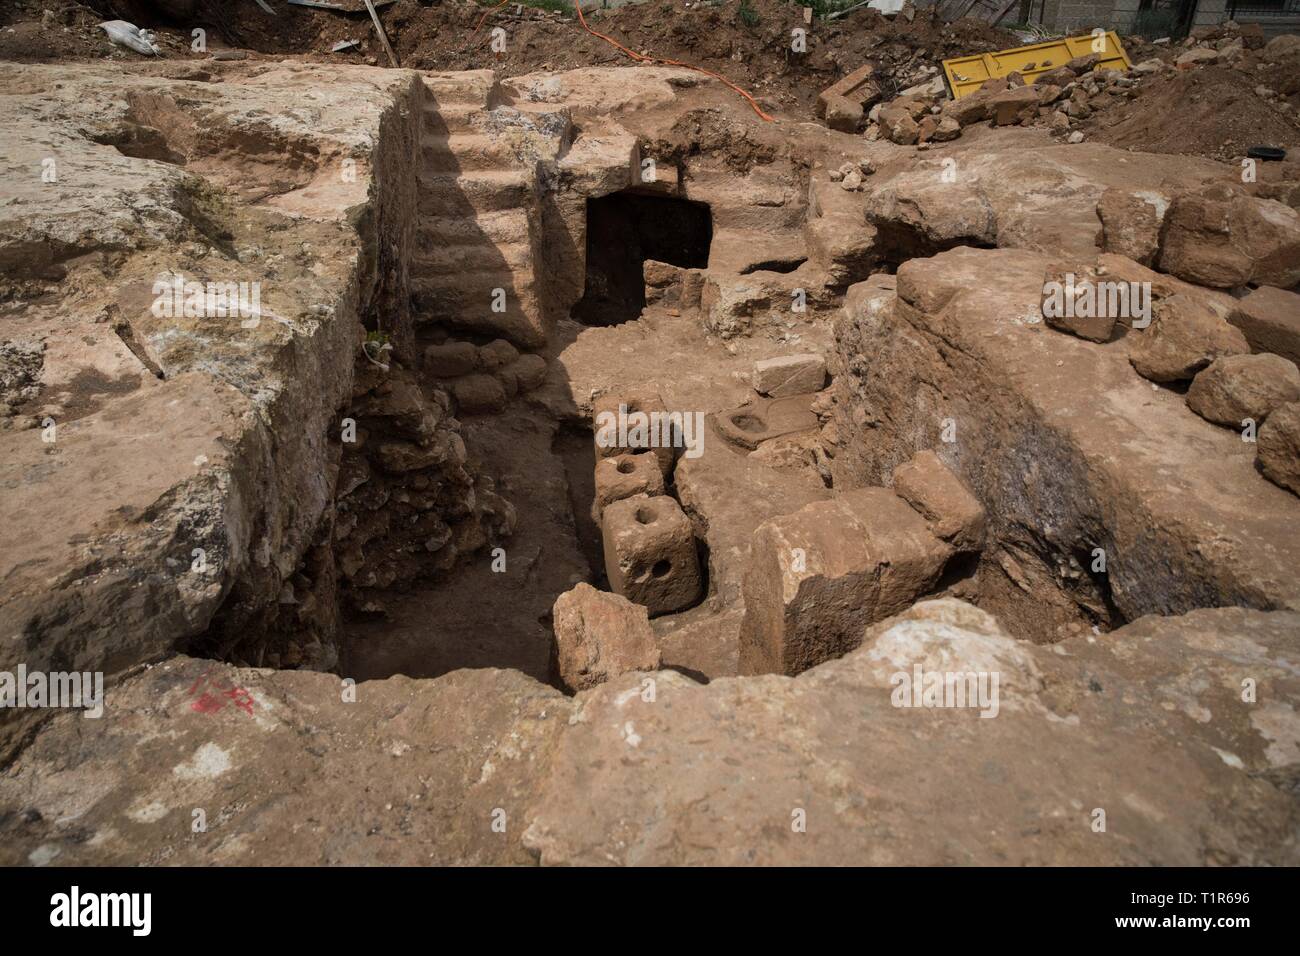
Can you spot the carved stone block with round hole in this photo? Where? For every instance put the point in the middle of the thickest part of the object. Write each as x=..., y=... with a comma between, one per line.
x=633, y=421
x=624, y=476
x=650, y=553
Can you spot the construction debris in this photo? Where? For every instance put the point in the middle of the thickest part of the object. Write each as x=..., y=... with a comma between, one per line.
x=1089, y=52
x=130, y=36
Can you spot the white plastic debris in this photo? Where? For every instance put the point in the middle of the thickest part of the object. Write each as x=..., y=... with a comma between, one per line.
x=130, y=35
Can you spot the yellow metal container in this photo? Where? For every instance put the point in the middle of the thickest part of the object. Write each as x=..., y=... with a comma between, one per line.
x=966, y=73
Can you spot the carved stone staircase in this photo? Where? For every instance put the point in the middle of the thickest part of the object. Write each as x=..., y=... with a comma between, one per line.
x=478, y=234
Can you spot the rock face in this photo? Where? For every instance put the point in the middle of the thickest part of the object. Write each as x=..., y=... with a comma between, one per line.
x=189, y=472
x=407, y=505
x=1043, y=200
x=284, y=766
x=818, y=576
x=1240, y=387
x=832, y=764
x=1279, y=447
x=1038, y=447
x=599, y=635
x=474, y=267
x=1222, y=237
x=1186, y=335
x=491, y=767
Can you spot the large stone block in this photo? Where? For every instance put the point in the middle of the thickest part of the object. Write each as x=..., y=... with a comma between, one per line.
x=615, y=431
x=1074, y=301
x=479, y=394
x=650, y=555
x=1222, y=237
x=1278, y=452
x=1238, y=387
x=451, y=359
x=624, y=476
x=789, y=375
x=1187, y=334
x=816, y=578
x=859, y=88
x=1130, y=223
x=1013, y=106
x=898, y=126
x=599, y=635
x=952, y=512
x=843, y=114
x=1270, y=320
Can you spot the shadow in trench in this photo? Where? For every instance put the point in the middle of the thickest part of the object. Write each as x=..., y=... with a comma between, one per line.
x=624, y=229
x=492, y=609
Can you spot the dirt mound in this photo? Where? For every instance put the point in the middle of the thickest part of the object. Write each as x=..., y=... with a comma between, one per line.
x=1213, y=111
x=747, y=41
x=709, y=132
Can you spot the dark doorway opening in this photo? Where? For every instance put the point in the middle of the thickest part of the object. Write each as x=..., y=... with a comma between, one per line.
x=623, y=231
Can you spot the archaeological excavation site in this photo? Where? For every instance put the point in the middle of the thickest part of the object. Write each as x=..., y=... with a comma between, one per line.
x=662, y=433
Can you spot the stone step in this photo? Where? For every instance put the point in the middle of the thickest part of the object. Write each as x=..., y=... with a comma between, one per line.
x=463, y=151
x=459, y=261
x=474, y=288
x=490, y=226
x=477, y=87
x=465, y=301
x=449, y=118
x=475, y=192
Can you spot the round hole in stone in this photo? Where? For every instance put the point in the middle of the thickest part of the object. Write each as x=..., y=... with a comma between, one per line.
x=645, y=515
x=749, y=423
x=626, y=467
x=661, y=569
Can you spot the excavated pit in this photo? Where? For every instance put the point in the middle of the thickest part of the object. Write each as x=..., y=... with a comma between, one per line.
x=423, y=615
x=423, y=493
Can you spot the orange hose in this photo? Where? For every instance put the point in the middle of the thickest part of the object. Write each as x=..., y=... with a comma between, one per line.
x=486, y=14
x=577, y=5
x=640, y=57
x=725, y=82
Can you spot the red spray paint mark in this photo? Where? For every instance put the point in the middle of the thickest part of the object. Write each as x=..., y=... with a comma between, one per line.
x=213, y=694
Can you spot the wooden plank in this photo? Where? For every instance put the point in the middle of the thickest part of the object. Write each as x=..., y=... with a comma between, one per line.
x=1006, y=8
x=847, y=10
x=965, y=8
x=383, y=37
